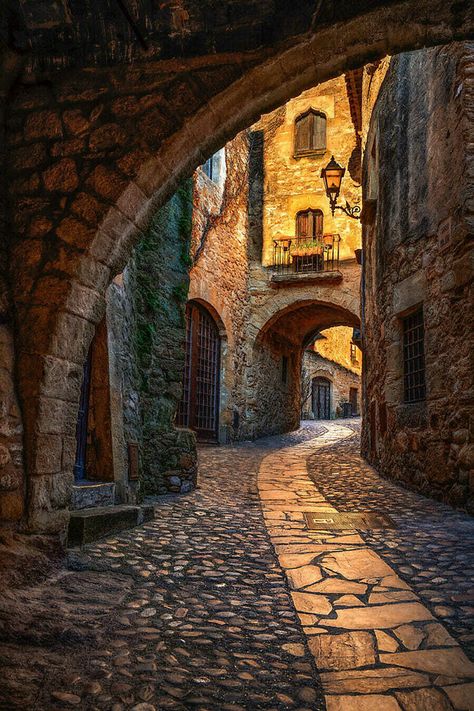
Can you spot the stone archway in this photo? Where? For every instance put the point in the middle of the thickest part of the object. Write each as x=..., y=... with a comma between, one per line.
x=274, y=380
x=94, y=153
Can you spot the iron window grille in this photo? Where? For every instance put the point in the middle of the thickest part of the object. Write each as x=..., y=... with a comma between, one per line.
x=414, y=357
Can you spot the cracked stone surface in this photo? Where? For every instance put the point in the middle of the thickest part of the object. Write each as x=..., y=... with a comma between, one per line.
x=432, y=547
x=377, y=646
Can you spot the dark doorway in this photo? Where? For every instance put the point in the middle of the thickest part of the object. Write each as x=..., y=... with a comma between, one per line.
x=321, y=398
x=199, y=406
x=94, y=460
x=82, y=422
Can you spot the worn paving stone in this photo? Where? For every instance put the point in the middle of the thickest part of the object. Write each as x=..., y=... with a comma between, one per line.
x=359, y=640
x=432, y=547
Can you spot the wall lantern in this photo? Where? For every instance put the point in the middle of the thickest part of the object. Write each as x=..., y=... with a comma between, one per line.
x=332, y=176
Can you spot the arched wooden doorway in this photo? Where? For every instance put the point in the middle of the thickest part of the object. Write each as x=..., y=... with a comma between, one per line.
x=199, y=405
x=94, y=459
x=322, y=398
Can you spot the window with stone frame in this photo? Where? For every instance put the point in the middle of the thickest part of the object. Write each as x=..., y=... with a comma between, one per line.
x=310, y=224
x=414, y=385
x=310, y=133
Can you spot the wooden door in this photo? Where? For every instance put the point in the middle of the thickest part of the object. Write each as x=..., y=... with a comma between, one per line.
x=309, y=224
x=199, y=406
x=321, y=398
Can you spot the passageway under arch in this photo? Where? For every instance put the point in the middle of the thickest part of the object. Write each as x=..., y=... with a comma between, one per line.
x=125, y=135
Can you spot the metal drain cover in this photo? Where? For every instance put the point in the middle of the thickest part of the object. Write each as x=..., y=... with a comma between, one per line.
x=363, y=520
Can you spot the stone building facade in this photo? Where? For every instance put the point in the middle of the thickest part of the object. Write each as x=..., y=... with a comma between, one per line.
x=266, y=314
x=296, y=296
x=418, y=255
x=333, y=364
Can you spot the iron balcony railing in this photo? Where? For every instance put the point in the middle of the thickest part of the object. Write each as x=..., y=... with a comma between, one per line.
x=306, y=255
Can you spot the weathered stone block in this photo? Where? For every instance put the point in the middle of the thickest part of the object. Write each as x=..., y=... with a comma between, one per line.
x=42, y=124
x=61, y=176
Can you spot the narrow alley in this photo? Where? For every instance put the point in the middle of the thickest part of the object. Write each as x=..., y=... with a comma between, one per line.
x=194, y=610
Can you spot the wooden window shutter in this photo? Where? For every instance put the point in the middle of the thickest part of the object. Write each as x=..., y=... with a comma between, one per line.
x=303, y=134
x=318, y=134
x=302, y=224
x=318, y=223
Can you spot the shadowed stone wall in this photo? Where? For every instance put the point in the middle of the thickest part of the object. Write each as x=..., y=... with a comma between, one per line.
x=146, y=319
x=418, y=250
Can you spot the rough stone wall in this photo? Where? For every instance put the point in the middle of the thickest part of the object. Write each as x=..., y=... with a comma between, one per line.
x=12, y=482
x=147, y=329
x=273, y=403
x=418, y=249
x=220, y=272
x=335, y=345
x=293, y=183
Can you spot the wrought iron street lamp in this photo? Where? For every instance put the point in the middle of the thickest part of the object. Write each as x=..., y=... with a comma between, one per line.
x=332, y=176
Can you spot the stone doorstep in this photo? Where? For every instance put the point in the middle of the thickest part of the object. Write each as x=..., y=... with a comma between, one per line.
x=93, y=494
x=87, y=525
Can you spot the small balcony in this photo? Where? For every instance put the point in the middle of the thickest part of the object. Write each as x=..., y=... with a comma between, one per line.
x=297, y=259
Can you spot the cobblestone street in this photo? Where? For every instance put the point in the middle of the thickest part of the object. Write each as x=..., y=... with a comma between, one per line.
x=193, y=610
x=432, y=546
x=203, y=617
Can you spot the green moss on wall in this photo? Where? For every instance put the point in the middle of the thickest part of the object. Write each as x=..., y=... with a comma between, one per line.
x=160, y=288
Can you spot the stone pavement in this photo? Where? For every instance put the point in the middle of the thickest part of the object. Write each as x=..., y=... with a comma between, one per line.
x=193, y=611
x=432, y=547
x=376, y=645
x=190, y=611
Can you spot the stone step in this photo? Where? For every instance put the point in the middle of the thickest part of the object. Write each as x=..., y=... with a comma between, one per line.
x=91, y=494
x=87, y=525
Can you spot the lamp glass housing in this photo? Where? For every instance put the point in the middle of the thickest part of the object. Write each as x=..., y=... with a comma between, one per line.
x=332, y=176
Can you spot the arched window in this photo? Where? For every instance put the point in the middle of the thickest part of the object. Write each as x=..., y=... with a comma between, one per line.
x=199, y=405
x=309, y=224
x=310, y=133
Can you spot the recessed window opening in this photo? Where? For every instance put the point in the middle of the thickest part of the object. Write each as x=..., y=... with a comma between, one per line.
x=414, y=357
x=353, y=353
x=310, y=224
x=310, y=133
x=215, y=167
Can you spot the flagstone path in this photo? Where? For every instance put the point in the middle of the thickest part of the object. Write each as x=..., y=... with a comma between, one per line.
x=376, y=645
